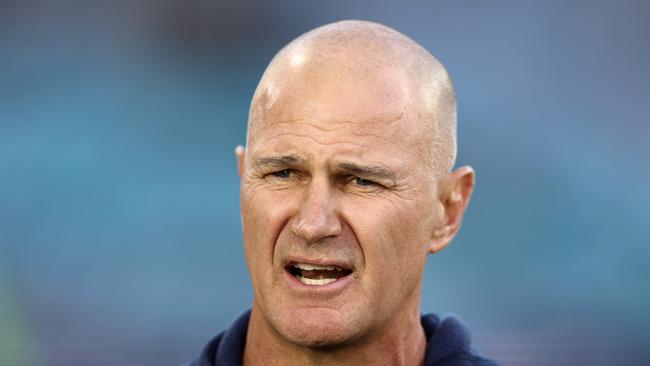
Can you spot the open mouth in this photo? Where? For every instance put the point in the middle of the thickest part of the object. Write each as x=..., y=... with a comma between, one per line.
x=315, y=275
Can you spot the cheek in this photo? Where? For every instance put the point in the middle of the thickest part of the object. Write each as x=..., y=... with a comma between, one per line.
x=393, y=227
x=264, y=215
x=393, y=238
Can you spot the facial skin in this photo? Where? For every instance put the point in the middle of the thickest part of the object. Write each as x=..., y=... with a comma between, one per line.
x=351, y=138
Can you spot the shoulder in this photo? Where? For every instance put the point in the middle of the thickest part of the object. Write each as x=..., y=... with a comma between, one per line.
x=449, y=343
x=208, y=353
x=227, y=347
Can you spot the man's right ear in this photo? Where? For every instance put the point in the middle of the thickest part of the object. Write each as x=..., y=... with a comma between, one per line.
x=240, y=152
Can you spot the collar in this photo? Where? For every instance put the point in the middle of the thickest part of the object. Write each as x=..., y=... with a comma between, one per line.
x=448, y=342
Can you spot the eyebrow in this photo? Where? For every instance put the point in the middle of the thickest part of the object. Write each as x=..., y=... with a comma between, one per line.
x=276, y=161
x=370, y=171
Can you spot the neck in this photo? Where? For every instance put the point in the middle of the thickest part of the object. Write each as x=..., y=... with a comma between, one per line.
x=402, y=342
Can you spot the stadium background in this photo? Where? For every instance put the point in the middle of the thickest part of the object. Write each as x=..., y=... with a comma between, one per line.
x=119, y=223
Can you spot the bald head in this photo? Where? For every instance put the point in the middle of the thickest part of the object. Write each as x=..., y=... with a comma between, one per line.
x=364, y=72
x=351, y=137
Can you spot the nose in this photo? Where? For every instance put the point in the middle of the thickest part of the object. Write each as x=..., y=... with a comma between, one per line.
x=317, y=217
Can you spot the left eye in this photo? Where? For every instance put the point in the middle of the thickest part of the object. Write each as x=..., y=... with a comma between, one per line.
x=363, y=182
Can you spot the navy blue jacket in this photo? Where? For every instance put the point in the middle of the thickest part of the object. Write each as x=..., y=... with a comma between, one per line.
x=448, y=344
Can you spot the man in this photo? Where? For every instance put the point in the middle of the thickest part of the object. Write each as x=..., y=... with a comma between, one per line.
x=346, y=185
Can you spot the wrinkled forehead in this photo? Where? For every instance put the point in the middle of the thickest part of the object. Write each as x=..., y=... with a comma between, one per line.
x=332, y=92
x=341, y=97
x=373, y=78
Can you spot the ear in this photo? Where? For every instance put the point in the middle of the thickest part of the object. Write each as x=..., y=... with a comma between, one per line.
x=240, y=152
x=454, y=192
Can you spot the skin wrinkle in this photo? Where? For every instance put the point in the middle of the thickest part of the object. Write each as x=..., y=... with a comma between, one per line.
x=373, y=172
x=323, y=129
x=385, y=120
x=312, y=125
x=268, y=164
x=353, y=144
x=336, y=104
x=279, y=122
x=326, y=129
x=281, y=134
x=373, y=135
x=433, y=151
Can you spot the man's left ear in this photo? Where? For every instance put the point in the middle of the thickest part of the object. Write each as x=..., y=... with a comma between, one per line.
x=454, y=192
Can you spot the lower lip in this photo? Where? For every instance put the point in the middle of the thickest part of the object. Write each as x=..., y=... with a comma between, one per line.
x=338, y=285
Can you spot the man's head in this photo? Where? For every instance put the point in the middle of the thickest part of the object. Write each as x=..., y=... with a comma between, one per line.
x=346, y=183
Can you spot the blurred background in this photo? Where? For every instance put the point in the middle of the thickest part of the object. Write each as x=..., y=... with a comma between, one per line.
x=120, y=237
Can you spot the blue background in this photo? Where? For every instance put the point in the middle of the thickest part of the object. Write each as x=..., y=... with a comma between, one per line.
x=120, y=238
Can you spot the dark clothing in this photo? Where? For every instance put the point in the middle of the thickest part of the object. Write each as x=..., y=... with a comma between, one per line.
x=448, y=344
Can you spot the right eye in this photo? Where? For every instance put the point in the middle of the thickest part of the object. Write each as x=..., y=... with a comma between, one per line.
x=282, y=174
x=284, y=177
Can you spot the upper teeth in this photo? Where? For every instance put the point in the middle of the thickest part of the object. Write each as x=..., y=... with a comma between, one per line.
x=311, y=267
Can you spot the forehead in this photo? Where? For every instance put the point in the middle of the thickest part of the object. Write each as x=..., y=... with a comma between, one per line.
x=333, y=99
x=383, y=138
x=334, y=96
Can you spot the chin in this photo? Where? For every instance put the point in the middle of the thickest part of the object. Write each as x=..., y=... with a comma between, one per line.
x=318, y=327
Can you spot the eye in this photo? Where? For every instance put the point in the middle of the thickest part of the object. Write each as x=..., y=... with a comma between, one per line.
x=364, y=182
x=284, y=177
x=282, y=174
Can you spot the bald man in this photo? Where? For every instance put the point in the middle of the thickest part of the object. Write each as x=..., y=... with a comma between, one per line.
x=346, y=187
